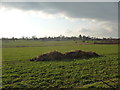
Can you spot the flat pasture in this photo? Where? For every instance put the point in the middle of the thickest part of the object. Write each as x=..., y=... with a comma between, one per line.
x=19, y=72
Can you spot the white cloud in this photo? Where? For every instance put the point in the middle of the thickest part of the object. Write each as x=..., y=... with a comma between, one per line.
x=15, y=23
x=46, y=21
x=99, y=29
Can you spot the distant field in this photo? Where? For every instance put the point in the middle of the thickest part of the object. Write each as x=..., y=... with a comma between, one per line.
x=35, y=43
x=19, y=72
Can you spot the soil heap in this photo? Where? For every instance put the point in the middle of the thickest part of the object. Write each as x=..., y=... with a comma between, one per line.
x=55, y=55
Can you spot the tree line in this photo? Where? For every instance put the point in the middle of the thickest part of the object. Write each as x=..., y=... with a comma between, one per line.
x=60, y=38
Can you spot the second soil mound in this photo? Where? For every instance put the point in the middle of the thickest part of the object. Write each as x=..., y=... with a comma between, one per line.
x=80, y=54
x=55, y=55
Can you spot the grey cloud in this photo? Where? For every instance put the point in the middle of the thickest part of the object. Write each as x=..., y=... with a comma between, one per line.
x=95, y=10
x=104, y=33
x=59, y=1
x=101, y=31
x=101, y=11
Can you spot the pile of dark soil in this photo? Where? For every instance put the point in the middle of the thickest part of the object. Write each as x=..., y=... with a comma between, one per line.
x=80, y=54
x=55, y=55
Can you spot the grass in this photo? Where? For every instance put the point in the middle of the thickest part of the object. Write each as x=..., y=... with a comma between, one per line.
x=19, y=72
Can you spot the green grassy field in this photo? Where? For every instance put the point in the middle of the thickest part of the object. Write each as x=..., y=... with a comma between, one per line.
x=19, y=72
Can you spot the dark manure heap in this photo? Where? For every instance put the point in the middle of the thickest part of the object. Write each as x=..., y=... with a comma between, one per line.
x=55, y=55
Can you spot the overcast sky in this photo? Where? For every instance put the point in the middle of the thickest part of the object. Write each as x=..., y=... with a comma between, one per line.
x=97, y=19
